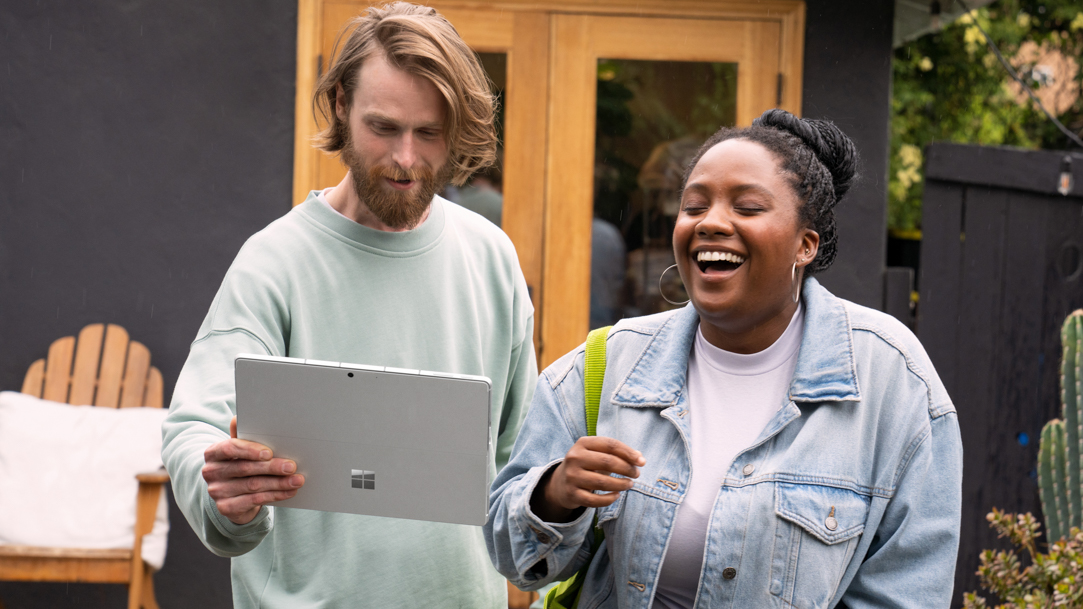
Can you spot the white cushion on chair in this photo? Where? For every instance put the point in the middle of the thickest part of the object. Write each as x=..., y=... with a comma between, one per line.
x=67, y=474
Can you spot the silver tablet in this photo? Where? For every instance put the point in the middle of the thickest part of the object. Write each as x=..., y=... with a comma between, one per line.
x=372, y=440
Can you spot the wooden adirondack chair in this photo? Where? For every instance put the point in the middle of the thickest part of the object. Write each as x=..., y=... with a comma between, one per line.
x=108, y=371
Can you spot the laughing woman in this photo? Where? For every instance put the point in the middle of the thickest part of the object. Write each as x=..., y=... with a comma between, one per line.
x=769, y=445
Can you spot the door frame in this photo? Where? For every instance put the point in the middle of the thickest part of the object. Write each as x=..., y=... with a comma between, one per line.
x=535, y=206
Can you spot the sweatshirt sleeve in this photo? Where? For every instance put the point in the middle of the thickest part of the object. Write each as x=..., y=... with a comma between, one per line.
x=243, y=319
x=522, y=376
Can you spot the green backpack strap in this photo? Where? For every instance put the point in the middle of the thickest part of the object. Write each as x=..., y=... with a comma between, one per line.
x=565, y=595
x=593, y=375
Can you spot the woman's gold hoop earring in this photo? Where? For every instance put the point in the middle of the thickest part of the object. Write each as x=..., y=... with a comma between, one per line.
x=793, y=281
x=663, y=292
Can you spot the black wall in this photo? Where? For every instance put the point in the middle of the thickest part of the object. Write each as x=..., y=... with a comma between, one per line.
x=1006, y=265
x=142, y=142
x=848, y=80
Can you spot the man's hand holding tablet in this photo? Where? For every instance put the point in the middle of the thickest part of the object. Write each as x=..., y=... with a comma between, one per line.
x=243, y=476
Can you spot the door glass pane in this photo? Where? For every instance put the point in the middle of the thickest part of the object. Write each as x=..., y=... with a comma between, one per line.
x=652, y=116
x=484, y=192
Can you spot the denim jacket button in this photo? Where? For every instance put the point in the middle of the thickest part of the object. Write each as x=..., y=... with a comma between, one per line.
x=748, y=469
x=831, y=523
x=542, y=536
x=729, y=573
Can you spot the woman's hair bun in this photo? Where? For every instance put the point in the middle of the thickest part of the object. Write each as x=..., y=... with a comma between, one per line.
x=830, y=145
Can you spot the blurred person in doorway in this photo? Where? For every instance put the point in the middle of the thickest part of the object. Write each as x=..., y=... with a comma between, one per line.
x=483, y=194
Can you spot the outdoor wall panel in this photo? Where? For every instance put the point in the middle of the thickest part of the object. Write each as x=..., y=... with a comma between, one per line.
x=141, y=143
x=848, y=81
x=994, y=292
x=942, y=248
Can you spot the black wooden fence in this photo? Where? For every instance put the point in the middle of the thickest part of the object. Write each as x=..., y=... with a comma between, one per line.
x=1001, y=260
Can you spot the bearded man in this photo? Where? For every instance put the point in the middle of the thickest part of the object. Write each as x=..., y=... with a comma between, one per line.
x=376, y=270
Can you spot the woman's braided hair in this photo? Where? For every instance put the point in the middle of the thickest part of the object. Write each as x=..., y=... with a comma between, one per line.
x=821, y=162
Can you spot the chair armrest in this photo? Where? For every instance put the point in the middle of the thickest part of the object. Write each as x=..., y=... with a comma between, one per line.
x=146, y=506
x=146, y=501
x=158, y=477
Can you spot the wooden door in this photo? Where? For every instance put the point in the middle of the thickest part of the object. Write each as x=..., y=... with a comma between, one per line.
x=551, y=50
x=752, y=50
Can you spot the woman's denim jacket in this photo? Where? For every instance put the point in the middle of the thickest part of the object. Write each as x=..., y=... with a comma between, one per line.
x=850, y=495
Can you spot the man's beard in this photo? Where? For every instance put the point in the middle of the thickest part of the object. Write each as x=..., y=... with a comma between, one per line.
x=395, y=208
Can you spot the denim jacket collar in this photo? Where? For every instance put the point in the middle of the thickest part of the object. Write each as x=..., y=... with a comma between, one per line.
x=825, y=364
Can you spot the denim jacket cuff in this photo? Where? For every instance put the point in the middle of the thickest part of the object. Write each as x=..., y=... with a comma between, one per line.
x=556, y=543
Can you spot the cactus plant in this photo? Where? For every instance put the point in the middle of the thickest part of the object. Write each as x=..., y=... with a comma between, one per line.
x=1060, y=454
x=1052, y=479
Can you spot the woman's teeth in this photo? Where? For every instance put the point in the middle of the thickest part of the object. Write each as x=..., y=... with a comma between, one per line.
x=718, y=261
x=719, y=257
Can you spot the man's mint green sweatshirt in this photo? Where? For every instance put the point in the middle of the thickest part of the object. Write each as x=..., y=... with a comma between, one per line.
x=447, y=296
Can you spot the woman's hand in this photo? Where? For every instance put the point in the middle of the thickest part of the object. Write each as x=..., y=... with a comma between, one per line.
x=585, y=469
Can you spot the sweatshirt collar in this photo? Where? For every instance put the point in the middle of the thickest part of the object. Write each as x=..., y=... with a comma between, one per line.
x=400, y=244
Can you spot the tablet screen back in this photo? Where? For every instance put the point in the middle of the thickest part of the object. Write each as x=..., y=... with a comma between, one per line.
x=374, y=441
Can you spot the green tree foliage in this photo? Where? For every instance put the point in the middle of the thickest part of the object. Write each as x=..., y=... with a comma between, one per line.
x=948, y=86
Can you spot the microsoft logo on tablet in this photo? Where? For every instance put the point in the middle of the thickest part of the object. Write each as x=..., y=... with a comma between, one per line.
x=360, y=478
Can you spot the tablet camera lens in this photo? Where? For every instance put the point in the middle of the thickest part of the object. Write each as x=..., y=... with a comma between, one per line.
x=349, y=374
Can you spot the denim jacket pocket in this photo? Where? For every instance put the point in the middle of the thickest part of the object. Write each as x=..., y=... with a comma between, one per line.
x=816, y=533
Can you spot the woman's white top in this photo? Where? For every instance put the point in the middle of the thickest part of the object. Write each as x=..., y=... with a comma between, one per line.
x=731, y=398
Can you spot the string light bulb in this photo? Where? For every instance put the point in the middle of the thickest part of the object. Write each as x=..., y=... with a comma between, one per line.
x=1065, y=183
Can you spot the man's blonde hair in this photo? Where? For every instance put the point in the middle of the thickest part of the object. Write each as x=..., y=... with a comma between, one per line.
x=420, y=41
